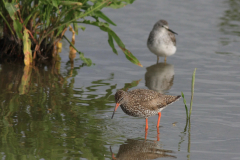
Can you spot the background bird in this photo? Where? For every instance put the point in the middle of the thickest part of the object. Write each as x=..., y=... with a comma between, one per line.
x=161, y=40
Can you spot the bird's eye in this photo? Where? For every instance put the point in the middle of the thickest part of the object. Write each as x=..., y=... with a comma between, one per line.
x=120, y=99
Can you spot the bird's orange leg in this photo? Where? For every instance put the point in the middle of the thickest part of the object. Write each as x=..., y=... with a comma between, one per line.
x=159, y=117
x=112, y=153
x=146, y=129
x=113, y=156
x=158, y=134
x=146, y=124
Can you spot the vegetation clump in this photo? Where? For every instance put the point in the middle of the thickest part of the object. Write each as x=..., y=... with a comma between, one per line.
x=31, y=29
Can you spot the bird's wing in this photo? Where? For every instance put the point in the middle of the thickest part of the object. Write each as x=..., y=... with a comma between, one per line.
x=142, y=95
x=147, y=98
x=172, y=36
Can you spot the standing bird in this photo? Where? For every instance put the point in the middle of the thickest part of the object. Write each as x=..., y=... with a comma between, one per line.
x=143, y=103
x=161, y=40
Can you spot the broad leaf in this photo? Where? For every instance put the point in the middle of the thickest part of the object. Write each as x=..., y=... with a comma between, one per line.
x=12, y=9
x=18, y=28
x=55, y=3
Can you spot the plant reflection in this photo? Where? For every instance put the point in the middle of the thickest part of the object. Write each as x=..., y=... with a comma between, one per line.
x=159, y=77
x=141, y=150
x=230, y=22
x=187, y=126
x=42, y=115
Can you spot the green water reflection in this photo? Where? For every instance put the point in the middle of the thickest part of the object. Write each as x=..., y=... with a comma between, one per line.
x=230, y=22
x=42, y=115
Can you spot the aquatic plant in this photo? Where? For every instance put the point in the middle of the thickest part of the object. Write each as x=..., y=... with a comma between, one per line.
x=188, y=113
x=32, y=28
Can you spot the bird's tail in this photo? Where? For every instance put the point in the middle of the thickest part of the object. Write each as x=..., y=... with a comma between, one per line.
x=170, y=99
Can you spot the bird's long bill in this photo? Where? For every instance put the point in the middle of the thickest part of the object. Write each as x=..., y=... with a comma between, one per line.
x=117, y=104
x=172, y=31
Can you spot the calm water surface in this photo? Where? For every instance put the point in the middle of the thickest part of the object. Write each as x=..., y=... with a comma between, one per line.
x=59, y=112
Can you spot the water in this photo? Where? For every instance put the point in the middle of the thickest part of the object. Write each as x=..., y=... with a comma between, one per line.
x=64, y=113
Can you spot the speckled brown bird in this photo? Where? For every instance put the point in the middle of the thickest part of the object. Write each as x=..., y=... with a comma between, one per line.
x=143, y=103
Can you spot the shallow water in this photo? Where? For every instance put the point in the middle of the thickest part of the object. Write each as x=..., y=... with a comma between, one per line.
x=65, y=113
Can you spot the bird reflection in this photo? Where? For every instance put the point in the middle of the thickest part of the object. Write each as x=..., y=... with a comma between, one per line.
x=141, y=149
x=159, y=77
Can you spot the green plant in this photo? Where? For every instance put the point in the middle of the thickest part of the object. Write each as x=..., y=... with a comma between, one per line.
x=188, y=113
x=44, y=22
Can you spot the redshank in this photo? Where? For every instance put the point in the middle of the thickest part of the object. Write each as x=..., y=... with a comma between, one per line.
x=143, y=103
x=161, y=40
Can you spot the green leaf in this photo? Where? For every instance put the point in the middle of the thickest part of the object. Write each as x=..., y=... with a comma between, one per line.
x=55, y=3
x=110, y=41
x=60, y=30
x=32, y=14
x=120, y=4
x=12, y=8
x=88, y=61
x=98, y=5
x=18, y=28
x=88, y=12
x=82, y=27
x=127, y=53
x=104, y=17
x=186, y=108
x=104, y=27
x=48, y=12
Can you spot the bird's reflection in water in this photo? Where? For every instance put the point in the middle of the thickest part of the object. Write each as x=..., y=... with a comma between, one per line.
x=141, y=150
x=159, y=77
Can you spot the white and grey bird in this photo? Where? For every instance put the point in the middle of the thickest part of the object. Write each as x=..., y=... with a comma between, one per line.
x=161, y=40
